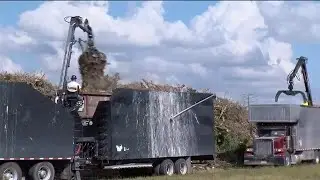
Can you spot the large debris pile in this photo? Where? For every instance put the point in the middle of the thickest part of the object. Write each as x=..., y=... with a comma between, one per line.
x=144, y=84
x=92, y=71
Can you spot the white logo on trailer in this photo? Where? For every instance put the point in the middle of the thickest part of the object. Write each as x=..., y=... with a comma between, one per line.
x=120, y=147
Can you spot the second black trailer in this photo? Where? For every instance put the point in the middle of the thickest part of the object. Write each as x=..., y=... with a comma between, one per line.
x=138, y=128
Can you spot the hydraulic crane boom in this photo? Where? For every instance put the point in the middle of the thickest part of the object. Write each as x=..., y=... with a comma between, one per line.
x=75, y=22
x=302, y=61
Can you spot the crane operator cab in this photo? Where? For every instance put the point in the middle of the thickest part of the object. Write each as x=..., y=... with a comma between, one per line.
x=73, y=99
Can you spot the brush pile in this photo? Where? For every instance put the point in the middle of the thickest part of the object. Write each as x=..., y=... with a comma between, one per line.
x=38, y=82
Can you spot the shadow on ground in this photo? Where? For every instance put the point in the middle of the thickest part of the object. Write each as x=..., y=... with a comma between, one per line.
x=116, y=174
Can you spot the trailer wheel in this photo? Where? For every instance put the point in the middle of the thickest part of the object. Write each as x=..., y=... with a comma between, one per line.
x=156, y=169
x=287, y=160
x=42, y=171
x=316, y=159
x=10, y=171
x=167, y=167
x=181, y=167
x=188, y=161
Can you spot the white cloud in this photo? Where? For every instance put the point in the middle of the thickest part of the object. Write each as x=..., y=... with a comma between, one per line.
x=234, y=47
x=7, y=65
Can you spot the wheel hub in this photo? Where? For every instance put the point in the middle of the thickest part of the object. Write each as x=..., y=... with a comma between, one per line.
x=169, y=170
x=287, y=161
x=183, y=168
x=44, y=173
x=9, y=175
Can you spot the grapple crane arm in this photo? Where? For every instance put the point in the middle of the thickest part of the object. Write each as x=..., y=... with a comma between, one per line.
x=301, y=64
x=75, y=22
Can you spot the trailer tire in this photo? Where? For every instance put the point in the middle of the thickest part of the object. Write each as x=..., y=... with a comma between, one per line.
x=287, y=160
x=188, y=161
x=11, y=169
x=44, y=169
x=181, y=167
x=316, y=159
x=156, y=169
x=167, y=167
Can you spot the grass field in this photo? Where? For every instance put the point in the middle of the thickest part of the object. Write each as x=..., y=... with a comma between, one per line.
x=305, y=172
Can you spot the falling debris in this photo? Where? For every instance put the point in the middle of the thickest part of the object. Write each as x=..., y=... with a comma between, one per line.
x=91, y=66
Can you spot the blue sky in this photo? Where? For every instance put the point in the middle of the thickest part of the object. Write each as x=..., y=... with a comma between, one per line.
x=174, y=10
x=311, y=51
x=12, y=10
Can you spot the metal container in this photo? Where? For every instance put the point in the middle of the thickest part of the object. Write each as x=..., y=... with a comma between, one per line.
x=284, y=113
x=90, y=104
x=141, y=127
x=308, y=129
x=32, y=125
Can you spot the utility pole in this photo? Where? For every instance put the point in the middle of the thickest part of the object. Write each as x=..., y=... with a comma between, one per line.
x=249, y=98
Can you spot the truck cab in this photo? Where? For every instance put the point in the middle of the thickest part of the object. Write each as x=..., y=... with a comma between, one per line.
x=286, y=134
x=270, y=145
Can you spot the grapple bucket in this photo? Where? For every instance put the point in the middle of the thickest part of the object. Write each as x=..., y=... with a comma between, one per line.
x=290, y=93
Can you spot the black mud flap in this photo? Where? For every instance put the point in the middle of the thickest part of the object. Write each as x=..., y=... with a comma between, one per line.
x=78, y=176
x=290, y=93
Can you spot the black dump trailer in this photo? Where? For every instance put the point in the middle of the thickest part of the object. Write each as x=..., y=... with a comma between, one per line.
x=36, y=135
x=130, y=129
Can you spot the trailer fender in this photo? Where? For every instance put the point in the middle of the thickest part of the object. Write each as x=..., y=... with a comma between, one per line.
x=67, y=173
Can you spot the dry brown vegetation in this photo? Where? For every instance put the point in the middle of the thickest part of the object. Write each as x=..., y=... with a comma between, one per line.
x=38, y=82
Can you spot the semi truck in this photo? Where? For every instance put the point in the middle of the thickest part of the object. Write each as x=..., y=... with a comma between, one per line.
x=286, y=133
x=44, y=139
